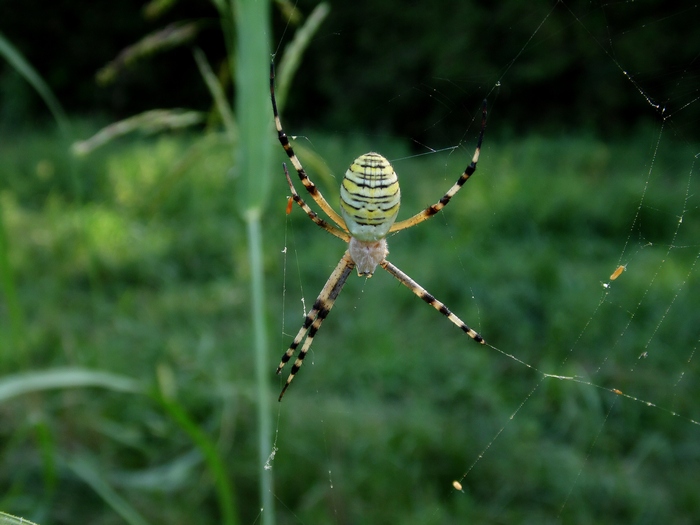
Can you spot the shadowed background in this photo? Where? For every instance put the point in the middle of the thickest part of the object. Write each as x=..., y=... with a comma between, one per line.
x=132, y=261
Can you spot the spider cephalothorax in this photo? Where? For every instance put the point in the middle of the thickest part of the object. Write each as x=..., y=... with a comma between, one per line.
x=369, y=204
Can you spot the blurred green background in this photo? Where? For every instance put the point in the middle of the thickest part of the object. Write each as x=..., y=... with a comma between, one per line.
x=129, y=391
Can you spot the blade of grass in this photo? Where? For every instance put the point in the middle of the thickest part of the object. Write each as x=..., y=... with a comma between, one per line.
x=151, y=121
x=21, y=384
x=291, y=58
x=90, y=474
x=214, y=461
x=251, y=58
x=17, y=60
x=252, y=103
x=47, y=448
x=174, y=35
x=217, y=93
x=8, y=519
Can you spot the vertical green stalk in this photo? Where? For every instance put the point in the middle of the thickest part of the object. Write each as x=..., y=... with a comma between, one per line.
x=252, y=58
x=262, y=368
x=15, y=351
x=252, y=65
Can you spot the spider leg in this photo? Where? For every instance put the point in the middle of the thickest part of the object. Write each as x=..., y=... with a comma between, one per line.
x=433, y=209
x=305, y=180
x=312, y=214
x=428, y=298
x=312, y=322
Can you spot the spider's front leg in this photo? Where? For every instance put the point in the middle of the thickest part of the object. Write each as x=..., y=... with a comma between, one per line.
x=315, y=193
x=312, y=214
x=428, y=298
x=312, y=322
x=445, y=200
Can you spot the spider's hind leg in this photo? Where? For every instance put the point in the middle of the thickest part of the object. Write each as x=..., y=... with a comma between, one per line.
x=312, y=322
x=428, y=298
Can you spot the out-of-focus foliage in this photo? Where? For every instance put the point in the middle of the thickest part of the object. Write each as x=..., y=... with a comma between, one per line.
x=544, y=56
x=129, y=308
x=394, y=396
x=381, y=50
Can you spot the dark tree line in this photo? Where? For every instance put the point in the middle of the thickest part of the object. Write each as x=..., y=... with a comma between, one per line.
x=389, y=66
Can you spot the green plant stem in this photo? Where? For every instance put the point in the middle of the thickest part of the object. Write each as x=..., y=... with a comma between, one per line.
x=262, y=369
x=252, y=59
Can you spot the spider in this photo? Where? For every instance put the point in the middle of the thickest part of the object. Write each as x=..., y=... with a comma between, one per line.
x=369, y=203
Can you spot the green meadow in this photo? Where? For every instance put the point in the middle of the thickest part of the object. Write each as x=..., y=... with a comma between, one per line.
x=129, y=392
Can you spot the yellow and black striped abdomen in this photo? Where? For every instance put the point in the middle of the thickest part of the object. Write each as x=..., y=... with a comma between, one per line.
x=370, y=197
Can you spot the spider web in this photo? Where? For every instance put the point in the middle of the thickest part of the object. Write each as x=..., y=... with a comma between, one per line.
x=585, y=411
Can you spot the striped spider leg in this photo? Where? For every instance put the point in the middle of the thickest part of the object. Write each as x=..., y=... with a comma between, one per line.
x=369, y=203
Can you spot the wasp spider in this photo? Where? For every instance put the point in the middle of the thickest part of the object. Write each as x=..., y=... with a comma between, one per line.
x=369, y=204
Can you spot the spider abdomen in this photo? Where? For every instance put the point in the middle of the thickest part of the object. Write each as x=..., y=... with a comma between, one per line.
x=370, y=197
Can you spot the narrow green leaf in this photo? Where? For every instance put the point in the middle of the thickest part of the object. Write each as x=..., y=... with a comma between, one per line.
x=173, y=35
x=8, y=519
x=90, y=474
x=291, y=58
x=215, y=463
x=151, y=121
x=21, y=384
x=252, y=59
x=252, y=103
x=17, y=60
x=217, y=93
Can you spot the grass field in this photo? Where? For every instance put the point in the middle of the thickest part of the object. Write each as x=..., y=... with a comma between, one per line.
x=132, y=261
